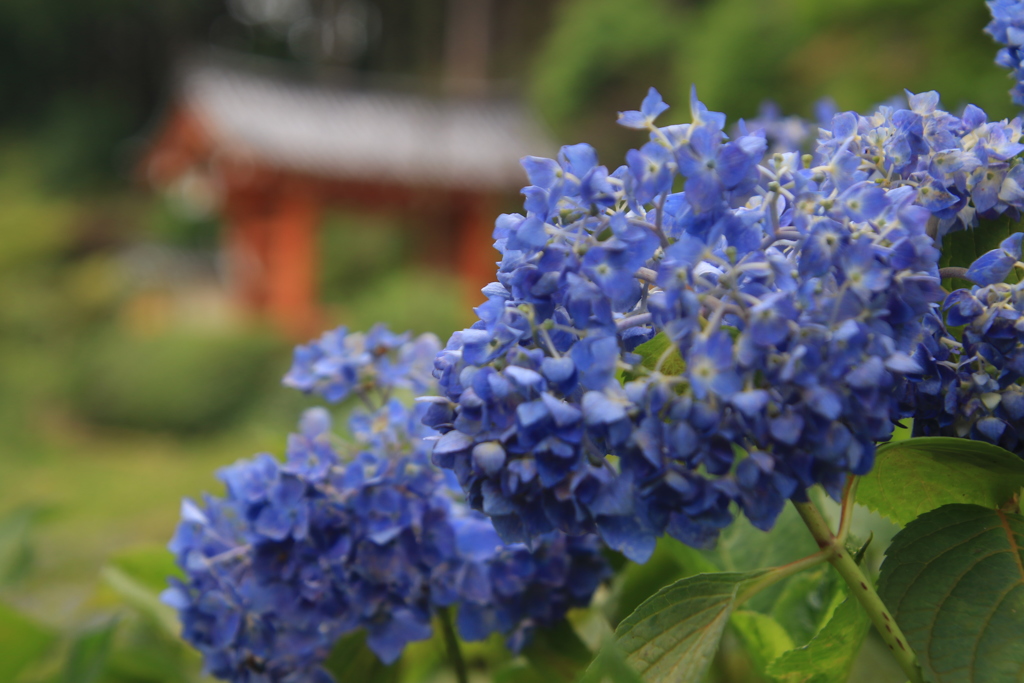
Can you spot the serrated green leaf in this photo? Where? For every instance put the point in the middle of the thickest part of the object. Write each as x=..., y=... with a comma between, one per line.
x=674, y=634
x=954, y=581
x=763, y=638
x=829, y=656
x=22, y=642
x=917, y=475
x=87, y=659
x=557, y=653
x=653, y=349
x=352, y=660
x=960, y=249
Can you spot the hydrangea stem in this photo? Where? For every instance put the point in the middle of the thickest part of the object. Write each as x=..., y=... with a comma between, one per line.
x=860, y=586
x=451, y=643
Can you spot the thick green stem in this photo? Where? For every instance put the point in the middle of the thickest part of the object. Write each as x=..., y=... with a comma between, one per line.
x=452, y=644
x=861, y=588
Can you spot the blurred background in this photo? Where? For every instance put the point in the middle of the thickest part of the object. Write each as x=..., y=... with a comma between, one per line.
x=189, y=187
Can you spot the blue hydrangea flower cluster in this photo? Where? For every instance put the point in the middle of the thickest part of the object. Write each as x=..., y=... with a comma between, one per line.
x=788, y=133
x=340, y=364
x=962, y=168
x=972, y=386
x=1007, y=27
x=366, y=534
x=791, y=293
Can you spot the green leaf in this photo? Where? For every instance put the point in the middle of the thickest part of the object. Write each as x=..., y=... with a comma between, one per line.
x=557, y=653
x=15, y=551
x=963, y=247
x=88, y=657
x=150, y=565
x=516, y=671
x=690, y=560
x=674, y=634
x=829, y=656
x=652, y=350
x=954, y=580
x=142, y=598
x=144, y=652
x=609, y=666
x=764, y=638
x=352, y=660
x=635, y=583
x=22, y=642
x=803, y=604
x=743, y=547
x=914, y=476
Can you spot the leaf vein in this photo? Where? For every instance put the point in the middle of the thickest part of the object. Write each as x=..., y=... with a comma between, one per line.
x=987, y=621
x=1011, y=537
x=925, y=565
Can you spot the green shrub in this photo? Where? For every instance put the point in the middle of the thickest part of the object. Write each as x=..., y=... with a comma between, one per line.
x=416, y=299
x=182, y=381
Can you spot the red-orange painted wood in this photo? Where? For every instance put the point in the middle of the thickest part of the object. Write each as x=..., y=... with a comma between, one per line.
x=475, y=254
x=272, y=214
x=291, y=260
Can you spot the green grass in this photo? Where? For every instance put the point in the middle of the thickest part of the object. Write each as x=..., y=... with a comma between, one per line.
x=104, y=492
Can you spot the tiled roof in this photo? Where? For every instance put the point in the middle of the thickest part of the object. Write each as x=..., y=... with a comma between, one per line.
x=366, y=134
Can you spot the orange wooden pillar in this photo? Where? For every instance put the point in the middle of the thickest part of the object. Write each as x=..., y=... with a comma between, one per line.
x=475, y=254
x=291, y=259
x=271, y=253
x=244, y=249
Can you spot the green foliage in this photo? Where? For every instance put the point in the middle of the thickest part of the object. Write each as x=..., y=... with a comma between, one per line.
x=742, y=547
x=764, y=638
x=861, y=52
x=609, y=666
x=415, y=299
x=177, y=224
x=660, y=348
x=674, y=634
x=960, y=249
x=917, y=475
x=557, y=654
x=22, y=642
x=15, y=548
x=352, y=660
x=89, y=652
x=33, y=223
x=179, y=381
x=354, y=249
x=147, y=646
x=592, y=43
x=804, y=602
x=954, y=580
x=828, y=657
x=149, y=565
x=634, y=583
x=134, y=593
x=602, y=55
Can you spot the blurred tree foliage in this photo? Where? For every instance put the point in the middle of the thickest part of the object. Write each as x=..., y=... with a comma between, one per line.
x=601, y=56
x=86, y=74
x=86, y=77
